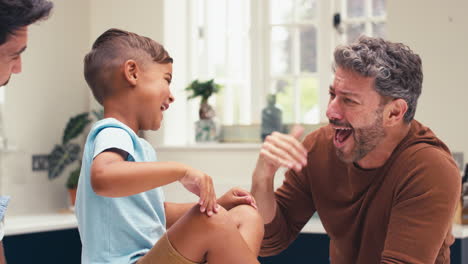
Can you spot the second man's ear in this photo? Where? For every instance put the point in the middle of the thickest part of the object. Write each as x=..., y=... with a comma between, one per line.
x=131, y=72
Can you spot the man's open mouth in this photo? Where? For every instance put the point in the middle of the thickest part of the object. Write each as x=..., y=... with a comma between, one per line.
x=342, y=134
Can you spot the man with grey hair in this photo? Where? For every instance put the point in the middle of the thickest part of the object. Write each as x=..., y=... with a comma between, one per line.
x=15, y=17
x=384, y=185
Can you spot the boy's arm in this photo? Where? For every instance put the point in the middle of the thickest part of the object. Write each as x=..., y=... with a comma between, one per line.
x=112, y=176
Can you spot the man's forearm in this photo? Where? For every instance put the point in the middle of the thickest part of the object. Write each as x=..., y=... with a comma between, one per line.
x=263, y=192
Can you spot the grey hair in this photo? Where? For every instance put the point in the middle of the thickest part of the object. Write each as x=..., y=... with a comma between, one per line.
x=396, y=68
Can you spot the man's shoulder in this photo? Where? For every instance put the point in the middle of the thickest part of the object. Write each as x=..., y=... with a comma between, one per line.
x=421, y=145
x=423, y=167
x=424, y=155
x=423, y=162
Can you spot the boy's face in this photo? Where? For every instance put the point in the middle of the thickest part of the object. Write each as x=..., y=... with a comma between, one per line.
x=155, y=96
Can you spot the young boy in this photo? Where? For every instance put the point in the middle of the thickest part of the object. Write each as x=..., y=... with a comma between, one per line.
x=122, y=215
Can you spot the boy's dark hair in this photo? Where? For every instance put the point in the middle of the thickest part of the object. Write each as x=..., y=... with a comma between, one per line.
x=15, y=14
x=111, y=50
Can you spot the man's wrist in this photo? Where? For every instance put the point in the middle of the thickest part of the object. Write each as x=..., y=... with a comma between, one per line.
x=263, y=173
x=262, y=180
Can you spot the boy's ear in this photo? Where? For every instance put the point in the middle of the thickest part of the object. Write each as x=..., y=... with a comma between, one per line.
x=395, y=111
x=131, y=72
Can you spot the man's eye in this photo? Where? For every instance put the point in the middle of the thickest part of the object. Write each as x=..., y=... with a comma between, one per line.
x=349, y=101
x=331, y=94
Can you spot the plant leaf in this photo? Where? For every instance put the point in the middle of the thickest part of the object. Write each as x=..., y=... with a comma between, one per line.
x=202, y=89
x=72, y=181
x=60, y=157
x=99, y=114
x=75, y=126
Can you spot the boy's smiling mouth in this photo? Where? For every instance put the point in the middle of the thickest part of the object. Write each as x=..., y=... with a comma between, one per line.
x=164, y=107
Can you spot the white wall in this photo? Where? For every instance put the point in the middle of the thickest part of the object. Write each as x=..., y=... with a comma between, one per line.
x=438, y=32
x=229, y=167
x=144, y=17
x=39, y=101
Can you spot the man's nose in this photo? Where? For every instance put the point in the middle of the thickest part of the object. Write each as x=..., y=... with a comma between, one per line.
x=334, y=110
x=16, y=66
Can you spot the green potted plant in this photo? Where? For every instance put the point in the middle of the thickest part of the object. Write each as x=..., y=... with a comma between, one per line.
x=205, y=127
x=204, y=90
x=69, y=152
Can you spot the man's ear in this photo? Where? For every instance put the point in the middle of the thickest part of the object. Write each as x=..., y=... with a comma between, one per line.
x=395, y=111
x=131, y=72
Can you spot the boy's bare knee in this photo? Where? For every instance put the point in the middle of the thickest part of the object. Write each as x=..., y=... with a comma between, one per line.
x=220, y=222
x=246, y=214
x=216, y=222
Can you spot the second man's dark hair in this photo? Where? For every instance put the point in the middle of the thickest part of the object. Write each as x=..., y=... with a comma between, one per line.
x=15, y=14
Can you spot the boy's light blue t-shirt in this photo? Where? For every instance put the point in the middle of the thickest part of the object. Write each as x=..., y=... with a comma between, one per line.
x=3, y=206
x=117, y=230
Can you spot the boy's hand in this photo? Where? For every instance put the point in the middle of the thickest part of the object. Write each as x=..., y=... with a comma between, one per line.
x=201, y=185
x=236, y=196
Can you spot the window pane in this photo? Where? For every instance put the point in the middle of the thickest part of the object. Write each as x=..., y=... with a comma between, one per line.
x=378, y=30
x=308, y=44
x=281, y=11
x=378, y=8
x=353, y=31
x=238, y=63
x=285, y=98
x=234, y=101
x=309, y=100
x=216, y=37
x=223, y=102
x=307, y=9
x=281, y=50
x=238, y=39
x=355, y=8
x=200, y=38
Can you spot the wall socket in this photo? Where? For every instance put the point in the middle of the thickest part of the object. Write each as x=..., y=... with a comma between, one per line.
x=40, y=162
x=459, y=159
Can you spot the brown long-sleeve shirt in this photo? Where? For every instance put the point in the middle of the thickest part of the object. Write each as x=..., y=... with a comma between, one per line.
x=399, y=213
